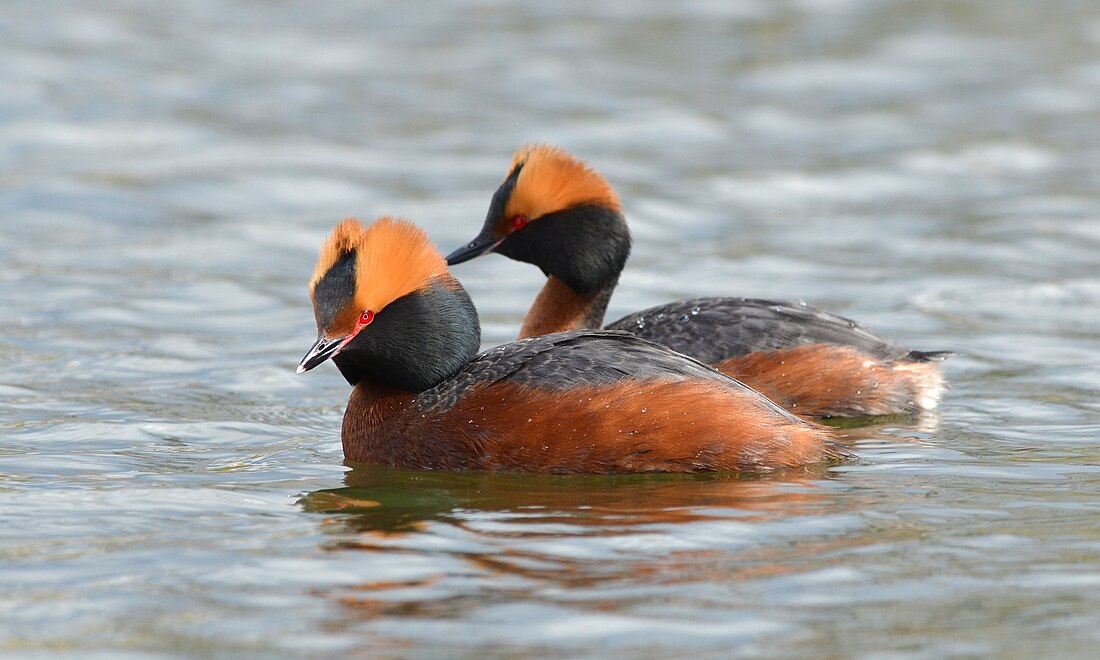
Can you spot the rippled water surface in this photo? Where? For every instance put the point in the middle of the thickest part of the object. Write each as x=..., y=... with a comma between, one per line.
x=168, y=485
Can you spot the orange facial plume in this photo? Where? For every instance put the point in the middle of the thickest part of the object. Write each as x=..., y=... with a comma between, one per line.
x=552, y=180
x=401, y=260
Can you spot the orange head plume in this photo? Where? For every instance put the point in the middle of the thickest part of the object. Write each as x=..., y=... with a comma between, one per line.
x=548, y=180
x=362, y=270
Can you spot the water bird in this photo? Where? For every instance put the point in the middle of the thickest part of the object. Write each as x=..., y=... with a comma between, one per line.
x=556, y=212
x=405, y=335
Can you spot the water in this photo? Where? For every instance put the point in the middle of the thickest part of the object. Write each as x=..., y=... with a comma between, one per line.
x=169, y=486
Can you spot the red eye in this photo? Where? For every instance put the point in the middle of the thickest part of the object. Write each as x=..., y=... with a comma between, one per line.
x=518, y=221
x=366, y=317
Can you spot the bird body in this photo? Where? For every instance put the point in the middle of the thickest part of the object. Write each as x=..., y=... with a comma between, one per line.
x=804, y=359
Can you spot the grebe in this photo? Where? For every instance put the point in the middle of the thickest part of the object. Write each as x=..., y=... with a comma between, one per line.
x=557, y=213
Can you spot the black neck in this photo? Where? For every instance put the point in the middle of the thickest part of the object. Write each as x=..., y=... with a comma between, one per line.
x=417, y=341
x=584, y=246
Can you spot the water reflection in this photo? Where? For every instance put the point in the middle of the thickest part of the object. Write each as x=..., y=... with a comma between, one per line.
x=380, y=499
x=442, y=547
x=928, y=168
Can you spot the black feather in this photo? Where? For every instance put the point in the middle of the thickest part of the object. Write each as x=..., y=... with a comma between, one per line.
x=565, y=360
x=335, y=290
x=716, y=329
x=416, y=341
x=585, y=246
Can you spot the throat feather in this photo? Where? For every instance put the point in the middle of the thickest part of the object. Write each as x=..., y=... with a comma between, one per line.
x=558, y=308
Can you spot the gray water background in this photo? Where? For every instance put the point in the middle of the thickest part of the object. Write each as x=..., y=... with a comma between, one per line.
x=169, y=486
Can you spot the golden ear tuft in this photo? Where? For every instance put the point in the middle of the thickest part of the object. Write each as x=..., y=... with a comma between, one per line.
x=395, y=257
x=553, y=180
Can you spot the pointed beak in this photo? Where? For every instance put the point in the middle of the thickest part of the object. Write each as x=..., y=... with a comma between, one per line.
x=322, y=349
x=483, y=244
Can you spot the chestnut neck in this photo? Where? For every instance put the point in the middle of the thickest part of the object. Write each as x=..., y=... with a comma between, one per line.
x=558, y=308
x=363, y=432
